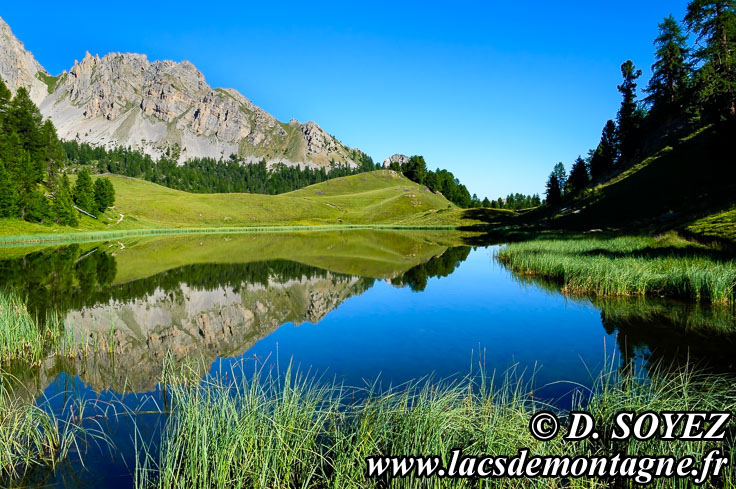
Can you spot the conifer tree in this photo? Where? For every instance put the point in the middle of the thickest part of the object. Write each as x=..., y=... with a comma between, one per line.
x=8, y=194
x=554, y=194
x=25, y=120
x=25, y=177
x=629, y=116
x=604, y=157
x=5, y=97
x=104, y=194
x=578, y=175
x=84, y=195
x=415, y=169
x=714, y=24
x=63, y=204
x=561, y=174
x=430, y=180
x=53, y=153
x=671, y=70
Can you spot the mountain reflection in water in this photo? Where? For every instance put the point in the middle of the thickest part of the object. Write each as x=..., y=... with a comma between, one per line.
x=209, y=297
x=200, y=310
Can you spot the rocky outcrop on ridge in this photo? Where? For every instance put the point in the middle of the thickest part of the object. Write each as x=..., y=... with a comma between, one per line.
x=162, y=108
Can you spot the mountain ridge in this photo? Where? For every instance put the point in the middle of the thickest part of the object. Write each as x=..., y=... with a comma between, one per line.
x=163, y=108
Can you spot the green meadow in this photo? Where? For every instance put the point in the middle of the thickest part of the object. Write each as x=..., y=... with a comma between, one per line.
x=381, y=198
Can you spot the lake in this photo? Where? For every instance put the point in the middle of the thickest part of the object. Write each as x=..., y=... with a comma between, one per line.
x=359, y=307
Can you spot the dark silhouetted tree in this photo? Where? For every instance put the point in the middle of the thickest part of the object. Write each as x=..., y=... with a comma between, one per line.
x=629, y=116
x=578, y=176
x=554, y=193
x=561, y=174
x=604, y=157
x=714, y=24
x=671, y=71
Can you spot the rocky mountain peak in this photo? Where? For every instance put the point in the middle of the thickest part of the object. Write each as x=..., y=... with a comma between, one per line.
x=18, y=67
x=161, y=107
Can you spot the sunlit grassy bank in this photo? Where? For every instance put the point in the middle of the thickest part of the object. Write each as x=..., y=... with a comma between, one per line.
x=720, y=225
x=270, y=432
x=628, y=266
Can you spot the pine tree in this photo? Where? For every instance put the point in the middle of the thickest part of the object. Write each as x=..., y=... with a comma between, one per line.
x=25, y=120
x=629, y=116
x=8, y=194
x=554, y=194
x=671, y=70
x=5, y=97
x=84, y=195
x=104, y=194
x=714, y=23
x=63, y=204
x=578, y=176
x=430, y=180
x=561, y=174
x=25, y=179
x=53, y=154
x=415, y=169
x=606, y=154
x=486, y=202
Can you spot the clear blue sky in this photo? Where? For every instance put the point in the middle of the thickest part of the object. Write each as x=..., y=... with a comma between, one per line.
x=496, y=93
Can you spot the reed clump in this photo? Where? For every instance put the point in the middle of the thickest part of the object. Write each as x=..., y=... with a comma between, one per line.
x=31, y=437
x=23, y=337
x=285, y=431
x=628, y=266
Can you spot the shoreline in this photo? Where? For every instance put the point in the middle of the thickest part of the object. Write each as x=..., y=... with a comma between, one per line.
x=91, y=236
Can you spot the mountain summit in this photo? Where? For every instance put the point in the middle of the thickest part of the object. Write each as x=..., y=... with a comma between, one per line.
x=162, y=108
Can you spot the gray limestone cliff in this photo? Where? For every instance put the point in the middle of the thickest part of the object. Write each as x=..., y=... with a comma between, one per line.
x=395, y=158
x=162, y=108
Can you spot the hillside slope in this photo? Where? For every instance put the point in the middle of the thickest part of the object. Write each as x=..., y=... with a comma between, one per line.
x=680, y=184
x=379, y=197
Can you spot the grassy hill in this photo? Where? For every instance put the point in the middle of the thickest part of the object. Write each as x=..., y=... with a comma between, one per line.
x=688, y=186
x=379, y=197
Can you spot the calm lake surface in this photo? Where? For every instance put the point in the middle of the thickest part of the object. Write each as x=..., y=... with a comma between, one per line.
x=354, y=306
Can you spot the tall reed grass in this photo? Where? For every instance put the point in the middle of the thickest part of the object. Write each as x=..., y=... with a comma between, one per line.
x=27, y=341
x=270, y=431
x=628, y=266
x=22, y=337
x=33, y=438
